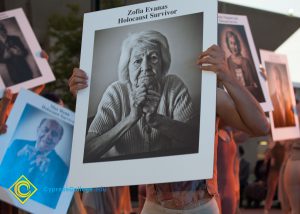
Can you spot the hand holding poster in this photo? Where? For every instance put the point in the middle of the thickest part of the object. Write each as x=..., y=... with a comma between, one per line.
x=141, y=63
x=35, y=155
x=21, y=65
x=284, y=121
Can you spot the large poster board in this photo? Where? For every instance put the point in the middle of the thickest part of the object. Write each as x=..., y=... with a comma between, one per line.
x=148, y=113
x=35, y=155
x=284, y=120
x=21, y=64
x=235, y=38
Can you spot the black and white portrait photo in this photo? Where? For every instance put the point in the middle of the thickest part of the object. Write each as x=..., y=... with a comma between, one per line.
x=146, y=108
x=16, y=61
x=21, y=63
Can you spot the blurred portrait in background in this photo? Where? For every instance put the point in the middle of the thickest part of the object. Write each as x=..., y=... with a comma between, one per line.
x=233, y=40
x=280, y=94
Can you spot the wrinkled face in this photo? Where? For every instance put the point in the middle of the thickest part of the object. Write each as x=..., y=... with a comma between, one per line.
x=48, y=135
x=233, y=47
x=145, y=66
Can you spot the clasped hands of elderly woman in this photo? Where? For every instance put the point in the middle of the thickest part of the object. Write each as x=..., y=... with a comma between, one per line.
x=144, y=103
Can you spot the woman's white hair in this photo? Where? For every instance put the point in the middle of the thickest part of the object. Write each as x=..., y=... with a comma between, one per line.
x=152, y=38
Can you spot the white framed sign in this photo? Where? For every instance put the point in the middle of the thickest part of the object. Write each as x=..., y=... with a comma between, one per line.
x=235, y=38
x=283, y=119
x=148, y=114
x=21, y=64
x=35, y=155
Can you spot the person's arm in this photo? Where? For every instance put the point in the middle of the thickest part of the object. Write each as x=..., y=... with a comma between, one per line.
x=97, y=145
x=5, y=102
x=237, y=108
x=100, y=142
x=108, y=126
x=244, y=172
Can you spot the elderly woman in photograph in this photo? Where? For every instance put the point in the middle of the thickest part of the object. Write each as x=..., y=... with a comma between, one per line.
x=146, y=110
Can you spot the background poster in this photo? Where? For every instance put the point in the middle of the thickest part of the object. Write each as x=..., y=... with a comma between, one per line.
x=185, y=95
x=21, y=65
x=284, y=120
x=235, y=38
x=35, y=155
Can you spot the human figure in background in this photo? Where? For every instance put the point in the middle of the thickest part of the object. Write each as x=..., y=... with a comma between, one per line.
x=282, y=193
x=244, y=174
x=276, y=159
x=229, y=168
x=4, y=105
x=141, y=197
x=292, y=174
x=256, y=191
x=239, y=137
x=236, y=171
x=226, y=171
x=13, y=54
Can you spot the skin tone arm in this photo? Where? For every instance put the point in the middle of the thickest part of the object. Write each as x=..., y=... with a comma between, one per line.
x=237, y=108
x=97, y=145
x=6, y=100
